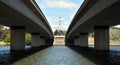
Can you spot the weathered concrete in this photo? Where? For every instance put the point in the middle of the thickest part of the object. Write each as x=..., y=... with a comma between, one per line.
x=76, y=41
x=42, y=41
x=101, y=38
x=17, y=40
x=69, y=41
x=24, y=13
x=91, y=13
x=49, y=42
x=35, y=40
x=83, y=40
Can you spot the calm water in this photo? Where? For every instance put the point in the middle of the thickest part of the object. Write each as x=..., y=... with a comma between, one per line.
x=60, y=55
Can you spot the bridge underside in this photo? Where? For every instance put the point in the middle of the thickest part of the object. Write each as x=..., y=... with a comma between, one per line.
x=25, y=16
x=95, y=17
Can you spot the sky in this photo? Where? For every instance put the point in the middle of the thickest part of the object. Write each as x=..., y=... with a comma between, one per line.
x=61, y=11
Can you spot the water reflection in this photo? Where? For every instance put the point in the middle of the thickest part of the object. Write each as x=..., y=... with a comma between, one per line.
x=61, y=55
x=55, y=55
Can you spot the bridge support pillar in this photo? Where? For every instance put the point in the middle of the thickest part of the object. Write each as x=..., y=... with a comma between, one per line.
x=69, y=41
x=17, y=40
x=35, y=40
x=83, y=40
x=42, y=41
x=101, y=38
x=76, y=41
x=49, y=42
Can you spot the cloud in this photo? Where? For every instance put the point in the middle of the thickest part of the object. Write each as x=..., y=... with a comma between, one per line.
x=54, y=22
x=59, y=4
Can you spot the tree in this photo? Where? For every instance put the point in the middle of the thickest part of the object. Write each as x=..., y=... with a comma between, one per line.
x=1, y=32
x=56, y=32
x=7, y=38
x=115, y=34
x=59, y=32
x=28, y=39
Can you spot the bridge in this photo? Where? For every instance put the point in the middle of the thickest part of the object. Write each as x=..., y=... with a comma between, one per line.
x=25, y=16
x=94, y=16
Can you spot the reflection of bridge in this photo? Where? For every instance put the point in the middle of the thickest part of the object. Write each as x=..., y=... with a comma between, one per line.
x=94, y=16
x=25, y=16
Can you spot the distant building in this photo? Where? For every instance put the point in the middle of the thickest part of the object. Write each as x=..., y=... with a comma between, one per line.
x=59, y=40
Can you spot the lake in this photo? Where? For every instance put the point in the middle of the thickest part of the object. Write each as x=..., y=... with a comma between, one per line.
x=60, y=55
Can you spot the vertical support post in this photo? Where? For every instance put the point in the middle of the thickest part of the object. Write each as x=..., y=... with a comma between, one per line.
x=49, y=42
x=76, y=41
x=101, y=38
x=35, y=40
x=17, y=40
x=83, y=39
x=42, y=41
x=69, y=41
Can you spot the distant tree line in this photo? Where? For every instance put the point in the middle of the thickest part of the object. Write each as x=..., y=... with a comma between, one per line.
x=5, y=35
x=114, y=34
x=4, y=32
x=59, y=32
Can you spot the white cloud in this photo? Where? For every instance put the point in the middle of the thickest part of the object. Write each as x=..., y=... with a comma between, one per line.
x=54, y=22
x=62, y=4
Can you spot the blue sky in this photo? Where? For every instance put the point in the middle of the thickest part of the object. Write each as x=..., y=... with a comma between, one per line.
x=54, y=9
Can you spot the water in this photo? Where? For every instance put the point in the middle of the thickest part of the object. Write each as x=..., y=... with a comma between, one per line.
x=60, y=55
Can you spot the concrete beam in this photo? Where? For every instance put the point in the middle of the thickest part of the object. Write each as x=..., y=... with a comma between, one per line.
x=17, y=40
x=101, y=38
x=24, y=13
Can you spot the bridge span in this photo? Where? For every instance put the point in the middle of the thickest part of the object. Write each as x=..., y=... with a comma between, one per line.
x=25, y=16
x=94, y=16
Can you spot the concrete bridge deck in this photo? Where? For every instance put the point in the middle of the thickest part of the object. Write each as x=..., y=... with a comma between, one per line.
x=94, y=16
x=25, y=16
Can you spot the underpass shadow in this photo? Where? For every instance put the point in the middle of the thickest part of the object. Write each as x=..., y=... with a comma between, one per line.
x=13, y=57
x=98, y=57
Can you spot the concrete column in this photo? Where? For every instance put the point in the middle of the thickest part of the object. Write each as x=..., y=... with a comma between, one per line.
x=35, y=40
x=17, y=40
x=49, y=41
x=83, y=40
x=101, y=38
x=76, y=41
x=69, y=41
x=42, y=41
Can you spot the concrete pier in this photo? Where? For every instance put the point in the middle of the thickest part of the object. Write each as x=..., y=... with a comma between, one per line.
x=35, y=40
x=76, y=41
x=101, y=38
x=17, y=40
x=42, y=41
x=83, y=39
x=69, y=41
